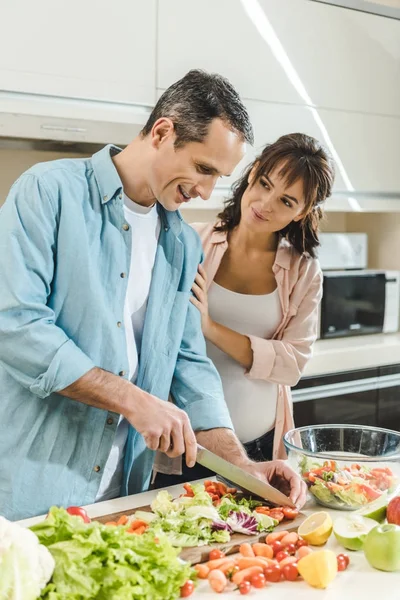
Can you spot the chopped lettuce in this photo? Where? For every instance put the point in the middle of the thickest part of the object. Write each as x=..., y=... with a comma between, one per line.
x=265, y=523
x=95, y=562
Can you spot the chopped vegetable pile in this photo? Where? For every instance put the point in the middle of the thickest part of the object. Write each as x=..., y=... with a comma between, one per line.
x=350, y=485
x=208, y=513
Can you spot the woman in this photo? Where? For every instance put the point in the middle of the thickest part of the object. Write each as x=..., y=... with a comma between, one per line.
x=259, y=288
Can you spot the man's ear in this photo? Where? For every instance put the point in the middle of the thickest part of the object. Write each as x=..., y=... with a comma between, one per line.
x=162, y=130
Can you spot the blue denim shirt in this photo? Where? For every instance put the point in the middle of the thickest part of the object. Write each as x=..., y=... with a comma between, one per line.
x=64, y=265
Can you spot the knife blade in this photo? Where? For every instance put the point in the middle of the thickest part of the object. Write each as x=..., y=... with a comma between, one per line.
x=241, y=478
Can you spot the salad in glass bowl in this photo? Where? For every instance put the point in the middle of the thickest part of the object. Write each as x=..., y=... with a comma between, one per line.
x=346, y=466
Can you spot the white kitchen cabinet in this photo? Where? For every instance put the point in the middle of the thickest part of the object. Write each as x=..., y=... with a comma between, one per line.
x=365, y=147
x=89, y=49
x=293, y=51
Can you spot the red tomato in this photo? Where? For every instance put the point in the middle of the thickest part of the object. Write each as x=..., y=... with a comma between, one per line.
x=345, y=558
x=341, y=564
x=290, y=548
x=281, y=555
x=244, y=587
x=277, y=547
x=187, y=589
x=301, y=542
x=290, y=513
x=290, y=572
x=215, y=554
x=276, y=514
x=273, y=573
x=258, y=580
x=78, y=511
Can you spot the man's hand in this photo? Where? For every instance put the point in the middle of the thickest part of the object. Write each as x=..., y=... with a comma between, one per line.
x=163, y=426
x=225, y=443
x=281, y=477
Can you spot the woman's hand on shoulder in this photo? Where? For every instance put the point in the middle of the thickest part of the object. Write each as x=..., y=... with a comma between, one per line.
x=200, y=299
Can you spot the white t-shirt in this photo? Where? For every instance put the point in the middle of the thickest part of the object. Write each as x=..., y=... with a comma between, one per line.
x=251, y=402
x=145, y=227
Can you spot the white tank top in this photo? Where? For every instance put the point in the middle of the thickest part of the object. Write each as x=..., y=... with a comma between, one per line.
x=251, y=402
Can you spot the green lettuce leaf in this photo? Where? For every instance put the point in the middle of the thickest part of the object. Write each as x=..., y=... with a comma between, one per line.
x=106, y=563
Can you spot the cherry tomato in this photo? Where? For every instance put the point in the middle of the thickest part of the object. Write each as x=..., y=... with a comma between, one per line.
x=258, y=580
x=78, y=511
x=290, y=572
x=301, y=542
x=341, y=564
x=290, y=513
x=281, y=555
x=273, y=573
x=277, y=547
x=345, y=558
x=215, y=554
x=244, y=587
x=187, y=589
x=291, y=548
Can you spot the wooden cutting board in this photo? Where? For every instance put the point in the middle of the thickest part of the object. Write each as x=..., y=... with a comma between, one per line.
x=198, y=554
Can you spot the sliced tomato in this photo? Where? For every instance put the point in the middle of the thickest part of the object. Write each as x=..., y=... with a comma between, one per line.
x=276, y=514
x=78, y=511
x=369, y=491
x=290, y=513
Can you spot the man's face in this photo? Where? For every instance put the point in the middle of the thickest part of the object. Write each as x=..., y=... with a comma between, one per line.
x=179, y=174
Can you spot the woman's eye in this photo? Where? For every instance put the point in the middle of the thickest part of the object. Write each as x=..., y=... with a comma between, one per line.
x=264, y=184
x=286, y=203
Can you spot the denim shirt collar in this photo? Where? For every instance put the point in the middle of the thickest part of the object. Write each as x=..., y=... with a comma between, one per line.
x=109, y=183
x=106, y=174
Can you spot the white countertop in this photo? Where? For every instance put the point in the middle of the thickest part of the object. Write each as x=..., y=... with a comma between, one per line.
x=358, y=582
x=351, y=353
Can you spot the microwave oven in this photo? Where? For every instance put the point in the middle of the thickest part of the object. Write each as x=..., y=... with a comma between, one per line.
x=359, y=303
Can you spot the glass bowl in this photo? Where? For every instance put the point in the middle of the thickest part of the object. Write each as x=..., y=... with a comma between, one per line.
x=346, y=467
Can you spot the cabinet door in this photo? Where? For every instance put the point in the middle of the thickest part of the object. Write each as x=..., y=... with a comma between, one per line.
x=83, y=49
x=389, y=401
x=293, y=51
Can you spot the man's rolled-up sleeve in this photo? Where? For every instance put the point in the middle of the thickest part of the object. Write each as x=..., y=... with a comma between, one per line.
x=33, y=349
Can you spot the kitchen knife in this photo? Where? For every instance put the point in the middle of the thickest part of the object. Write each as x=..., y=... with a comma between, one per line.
x=241, y=478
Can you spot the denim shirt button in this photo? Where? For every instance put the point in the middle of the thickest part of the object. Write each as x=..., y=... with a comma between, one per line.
x=121, y=373
x=110, y=421
x=97, y=468
x=122, y=275
x=119, y=323
x=125, y=227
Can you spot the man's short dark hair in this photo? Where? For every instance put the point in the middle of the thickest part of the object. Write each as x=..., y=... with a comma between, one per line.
x=194, y=101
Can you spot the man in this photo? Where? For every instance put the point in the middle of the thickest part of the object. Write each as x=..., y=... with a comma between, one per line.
x=96, y=327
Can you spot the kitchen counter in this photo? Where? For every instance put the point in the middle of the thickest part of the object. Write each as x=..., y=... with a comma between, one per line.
x=358, y=582
x=351, y=353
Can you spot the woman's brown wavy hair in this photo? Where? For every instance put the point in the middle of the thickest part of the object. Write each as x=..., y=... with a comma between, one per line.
x=300, y=157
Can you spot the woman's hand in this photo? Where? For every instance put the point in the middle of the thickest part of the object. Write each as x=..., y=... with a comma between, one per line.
x=200, y=300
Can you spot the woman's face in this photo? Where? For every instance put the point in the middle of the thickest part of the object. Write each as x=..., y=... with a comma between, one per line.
x=269, y=205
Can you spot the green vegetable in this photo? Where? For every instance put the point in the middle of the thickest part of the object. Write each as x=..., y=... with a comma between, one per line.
x=265, y=523
x=106, y=563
